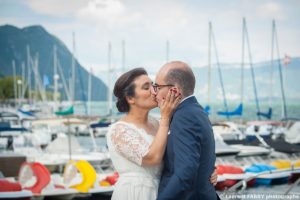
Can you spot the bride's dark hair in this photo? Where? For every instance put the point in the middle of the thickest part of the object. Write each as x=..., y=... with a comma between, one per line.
x=124, y=87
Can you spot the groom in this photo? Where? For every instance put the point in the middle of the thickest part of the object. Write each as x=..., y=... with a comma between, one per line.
x=189, y=159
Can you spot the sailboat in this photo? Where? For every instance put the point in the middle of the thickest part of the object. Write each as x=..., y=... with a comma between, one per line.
x=267, y=115
x=110, y=71
x=59, y=75
x=239, y=110
x=275, y=42
x=226, y=113
x=89, y=102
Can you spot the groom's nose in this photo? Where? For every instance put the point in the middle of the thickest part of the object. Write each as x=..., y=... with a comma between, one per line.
x=153, y=91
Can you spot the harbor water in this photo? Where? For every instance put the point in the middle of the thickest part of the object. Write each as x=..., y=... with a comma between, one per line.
x=249, y=113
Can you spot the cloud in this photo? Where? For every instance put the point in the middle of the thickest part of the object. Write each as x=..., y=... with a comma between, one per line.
x=107, y=14
x=102, y=10
x=270, y=10
x=55, y=8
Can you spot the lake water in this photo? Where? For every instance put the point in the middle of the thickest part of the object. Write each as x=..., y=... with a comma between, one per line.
x=293, y=110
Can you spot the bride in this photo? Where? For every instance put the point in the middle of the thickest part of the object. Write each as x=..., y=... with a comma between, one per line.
x=137, y=141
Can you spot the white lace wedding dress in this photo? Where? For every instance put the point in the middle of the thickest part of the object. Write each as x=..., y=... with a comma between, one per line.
x=127, y=145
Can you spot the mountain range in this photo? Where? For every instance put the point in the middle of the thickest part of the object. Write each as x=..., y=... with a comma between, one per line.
x=231, y=75
x=265, y=88
x=14, y=43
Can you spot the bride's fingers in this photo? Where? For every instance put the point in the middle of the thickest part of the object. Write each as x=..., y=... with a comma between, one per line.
x=178, y=99
x=171, y=96
x=166, y=100
x=168, y=97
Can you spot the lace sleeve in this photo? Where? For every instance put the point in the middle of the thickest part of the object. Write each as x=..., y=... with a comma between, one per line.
x=129, y=143
x=155, y=123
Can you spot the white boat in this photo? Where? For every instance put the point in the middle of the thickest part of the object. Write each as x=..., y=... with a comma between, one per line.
x=61, y=150
x=246, y=150
x=264, y=128
x=223, y=149
x=16, y=195
x=228, y=130
x=292, y=134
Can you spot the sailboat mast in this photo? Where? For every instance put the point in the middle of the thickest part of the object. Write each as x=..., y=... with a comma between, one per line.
x=66, y=88
x=123, y=56
x=219, y=72
x=55, y=78
x=209, y=65
x=28, y=73
x=242, y=66
x=252, y=69
x=22, y=88
x=272, y=64
x=109, y=90
x=35, y=71
x=38, y=81
x=90, y=91
x=284, y=111
x=14, y=80
x=72, y=88
x=243, y=62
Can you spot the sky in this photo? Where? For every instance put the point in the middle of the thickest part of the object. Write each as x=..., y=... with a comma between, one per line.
x=146, y=26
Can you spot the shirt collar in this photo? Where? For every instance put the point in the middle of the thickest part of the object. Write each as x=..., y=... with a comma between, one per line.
x=187, y=98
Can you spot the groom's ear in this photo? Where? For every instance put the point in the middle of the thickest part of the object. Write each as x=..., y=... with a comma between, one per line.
x=175, y=88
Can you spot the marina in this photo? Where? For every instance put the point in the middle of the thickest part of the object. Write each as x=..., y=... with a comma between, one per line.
x=253, y=157
x=59, y=65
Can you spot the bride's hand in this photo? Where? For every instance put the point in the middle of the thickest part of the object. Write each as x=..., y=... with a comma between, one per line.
x=214, y=178
x=169, y=104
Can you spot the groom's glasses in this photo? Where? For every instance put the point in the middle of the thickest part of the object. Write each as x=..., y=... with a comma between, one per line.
x=157, y=87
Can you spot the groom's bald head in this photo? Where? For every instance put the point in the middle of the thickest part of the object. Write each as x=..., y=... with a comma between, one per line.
x=179, y=74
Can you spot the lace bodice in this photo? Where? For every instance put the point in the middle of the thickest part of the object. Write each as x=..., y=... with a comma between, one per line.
x=129, y=142
x=128, y=145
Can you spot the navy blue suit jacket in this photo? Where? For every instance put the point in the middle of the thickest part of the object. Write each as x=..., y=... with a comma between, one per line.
x=189, y=159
